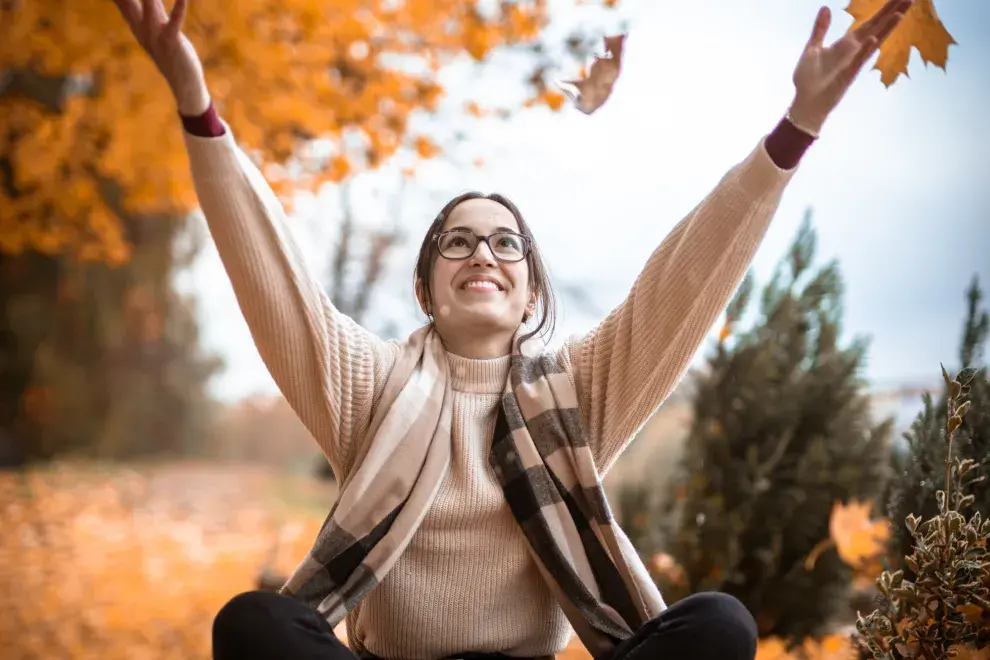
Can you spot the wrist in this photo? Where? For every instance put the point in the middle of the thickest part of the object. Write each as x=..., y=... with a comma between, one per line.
x=806, y=119
x=191, y=100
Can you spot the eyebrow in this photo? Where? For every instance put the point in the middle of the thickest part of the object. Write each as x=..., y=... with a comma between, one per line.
x=497, y=229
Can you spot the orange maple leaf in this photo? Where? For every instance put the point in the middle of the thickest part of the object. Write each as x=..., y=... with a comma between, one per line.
x=856, y=537
x=590, y=92
x=921, y=29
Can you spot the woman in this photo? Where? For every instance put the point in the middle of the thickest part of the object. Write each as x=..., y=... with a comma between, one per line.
x=471, y=522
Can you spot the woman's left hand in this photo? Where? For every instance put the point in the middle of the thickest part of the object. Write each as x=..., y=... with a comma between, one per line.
x=824, y=73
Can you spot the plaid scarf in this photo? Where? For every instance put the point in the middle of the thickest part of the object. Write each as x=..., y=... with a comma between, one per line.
x=544, y=465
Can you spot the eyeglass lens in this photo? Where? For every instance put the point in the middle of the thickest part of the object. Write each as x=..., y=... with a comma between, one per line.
x=462, y=244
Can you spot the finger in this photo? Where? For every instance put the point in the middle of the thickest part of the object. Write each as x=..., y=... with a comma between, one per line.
x=153, y=11
x=873, y=25
x=870, y=24
x=130, y=10
x=820, y=28
x=889, y=26
x=176, y=19
x=849, y=73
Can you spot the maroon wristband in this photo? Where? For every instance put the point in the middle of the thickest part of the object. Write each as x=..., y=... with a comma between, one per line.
x=206, y=125
x=786, y=144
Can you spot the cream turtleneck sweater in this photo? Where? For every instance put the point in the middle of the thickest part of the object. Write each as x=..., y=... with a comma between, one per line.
x=466, y=581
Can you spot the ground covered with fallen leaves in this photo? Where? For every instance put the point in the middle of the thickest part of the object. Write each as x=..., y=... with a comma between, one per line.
x=133, y=562
x=113, y=562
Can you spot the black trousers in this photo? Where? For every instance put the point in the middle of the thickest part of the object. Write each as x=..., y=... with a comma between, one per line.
x=260, y=625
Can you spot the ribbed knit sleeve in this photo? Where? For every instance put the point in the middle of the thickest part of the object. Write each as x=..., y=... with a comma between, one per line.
x=626, y=367
x=329, y=368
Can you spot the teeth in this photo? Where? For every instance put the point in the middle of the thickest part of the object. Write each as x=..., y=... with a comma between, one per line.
x=490, y=286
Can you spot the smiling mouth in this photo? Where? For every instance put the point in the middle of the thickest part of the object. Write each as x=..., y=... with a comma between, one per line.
x=481, y=285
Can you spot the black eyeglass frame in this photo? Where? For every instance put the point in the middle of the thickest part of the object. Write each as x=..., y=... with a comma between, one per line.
x=525, y=242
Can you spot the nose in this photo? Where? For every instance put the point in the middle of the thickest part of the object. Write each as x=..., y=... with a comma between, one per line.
x=483, y=256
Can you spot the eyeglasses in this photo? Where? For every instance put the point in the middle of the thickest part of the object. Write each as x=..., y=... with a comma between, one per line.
x=459, y=244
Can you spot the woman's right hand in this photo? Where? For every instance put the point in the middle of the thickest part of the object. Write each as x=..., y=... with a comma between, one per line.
x=161, y=37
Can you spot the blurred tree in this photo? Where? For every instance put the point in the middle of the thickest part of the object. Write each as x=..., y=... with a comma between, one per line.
x=93, y=176
x=919, y=468
x=102, y=360
x=781, y=431
x=355, y=276
x=80, y=101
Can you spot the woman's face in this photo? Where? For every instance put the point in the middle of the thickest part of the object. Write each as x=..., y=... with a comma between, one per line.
x=480, y=292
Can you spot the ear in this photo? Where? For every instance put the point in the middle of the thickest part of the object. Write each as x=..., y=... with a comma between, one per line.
x=534, y=298
x=530, y=308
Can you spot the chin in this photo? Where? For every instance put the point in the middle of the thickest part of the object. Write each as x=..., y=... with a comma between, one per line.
x=483, y=317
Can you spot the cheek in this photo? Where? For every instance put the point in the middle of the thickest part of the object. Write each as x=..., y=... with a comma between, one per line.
x=443, y=276
x=519, y=276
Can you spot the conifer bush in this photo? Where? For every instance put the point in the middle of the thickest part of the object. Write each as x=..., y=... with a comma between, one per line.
x=782, y=431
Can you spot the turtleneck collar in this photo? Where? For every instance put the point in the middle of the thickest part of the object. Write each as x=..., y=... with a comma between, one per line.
x=479, y=376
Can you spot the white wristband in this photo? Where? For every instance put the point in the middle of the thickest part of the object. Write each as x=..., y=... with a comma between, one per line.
x=812, y=134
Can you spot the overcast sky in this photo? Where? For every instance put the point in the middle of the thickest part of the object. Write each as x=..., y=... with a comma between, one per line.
x=899, y=182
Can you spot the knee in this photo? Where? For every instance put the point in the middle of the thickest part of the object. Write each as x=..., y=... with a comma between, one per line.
x=241, y=614
x=722, y=621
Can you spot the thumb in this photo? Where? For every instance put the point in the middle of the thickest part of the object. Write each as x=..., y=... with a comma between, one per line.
x=822, y=21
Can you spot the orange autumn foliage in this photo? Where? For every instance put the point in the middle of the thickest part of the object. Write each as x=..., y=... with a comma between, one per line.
x=830, y=647
x=134, y=563
x=89, y=132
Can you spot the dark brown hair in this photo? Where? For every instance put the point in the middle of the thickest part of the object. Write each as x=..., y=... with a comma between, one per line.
x=545, y=313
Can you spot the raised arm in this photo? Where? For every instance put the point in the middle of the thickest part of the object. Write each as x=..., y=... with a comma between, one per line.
x=627, y=366
x=328, y=367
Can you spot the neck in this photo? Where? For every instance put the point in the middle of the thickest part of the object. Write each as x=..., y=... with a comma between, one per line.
x=475, y=344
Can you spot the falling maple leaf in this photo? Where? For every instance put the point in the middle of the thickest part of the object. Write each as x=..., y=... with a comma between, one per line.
x=856, y=537
x=591, y=91
x=921, y=28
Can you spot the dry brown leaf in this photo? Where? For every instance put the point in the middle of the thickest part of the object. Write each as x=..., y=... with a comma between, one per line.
x=857, y=538
x=594, y=89
x=921, y=28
